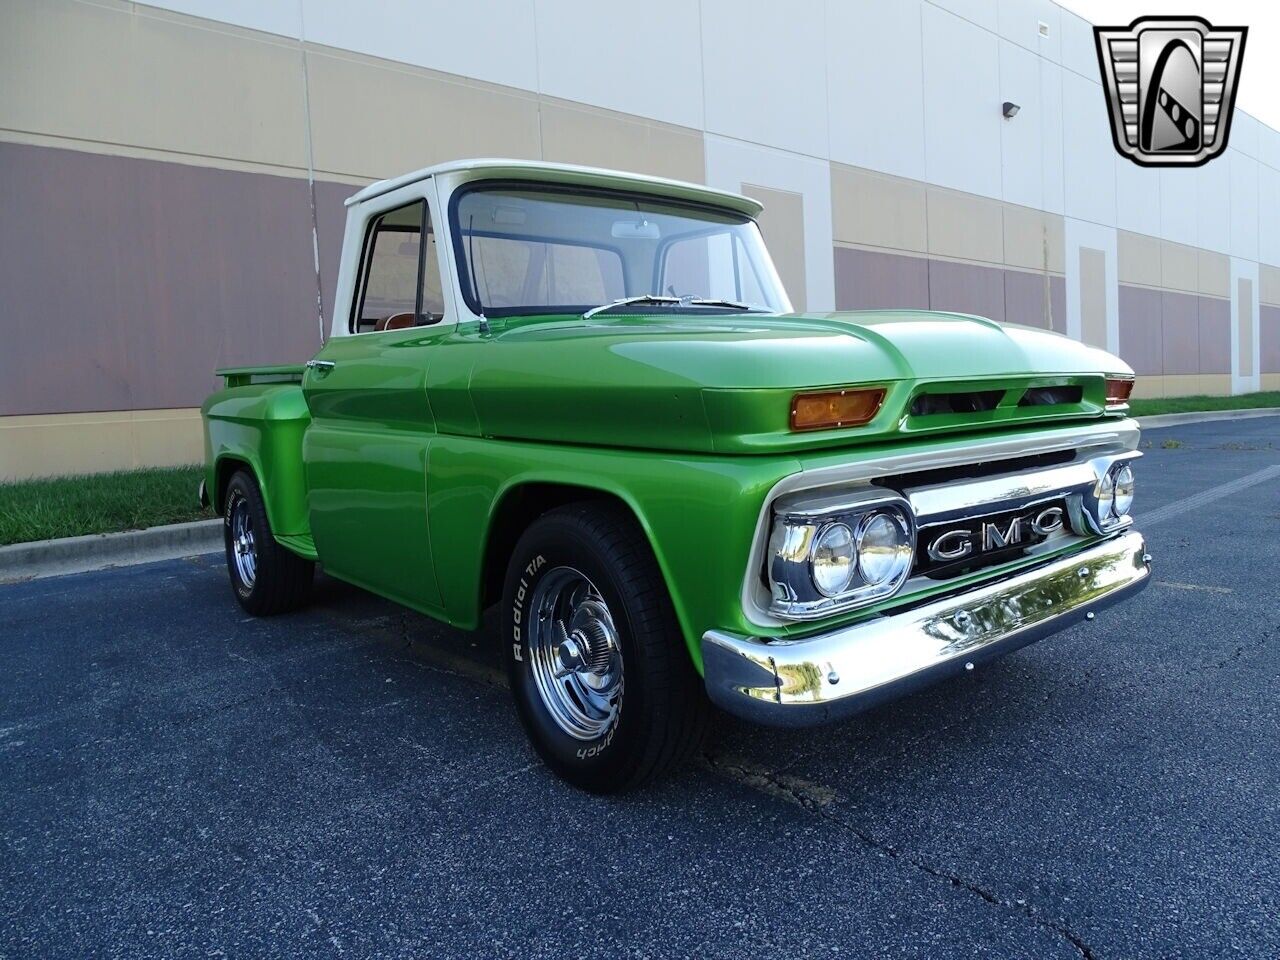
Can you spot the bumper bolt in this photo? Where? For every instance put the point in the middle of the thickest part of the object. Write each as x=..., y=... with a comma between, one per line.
x=969, y=665
x=833, y=678
x=1090, y=615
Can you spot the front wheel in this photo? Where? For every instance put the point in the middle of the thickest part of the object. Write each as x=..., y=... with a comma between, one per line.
x=266, y=577
x=601, y=677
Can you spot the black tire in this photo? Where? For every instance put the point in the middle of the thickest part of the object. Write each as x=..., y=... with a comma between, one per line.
x=280, y=580
x=661, y=711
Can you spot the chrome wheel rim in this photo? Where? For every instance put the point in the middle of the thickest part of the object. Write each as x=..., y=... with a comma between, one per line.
x=574, y=654
x=243, y=551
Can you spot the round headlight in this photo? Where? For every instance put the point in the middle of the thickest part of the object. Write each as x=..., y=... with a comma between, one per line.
x=884, y=550
x=832, y=560
x=1106, y=497
x=1122, y=487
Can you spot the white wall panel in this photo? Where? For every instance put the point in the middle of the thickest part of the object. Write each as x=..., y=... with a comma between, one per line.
x=1090, y=170
x=273, y=16
x=1244, y=202
x=961, y=104
x=874, y=47
x=1079, y=54
x=1020, y=23
x=1269, y=147
x=1213, y=205
x=981, y=12
x=484, y=39
x=1245, y=134
x=1052, y=134
x=1269, y=215
x=1178, y=218
x=764, y=72
x=1137, y=197
x=731, y=163
x=640, y=60
x=1083, y=233
x=1022, y=146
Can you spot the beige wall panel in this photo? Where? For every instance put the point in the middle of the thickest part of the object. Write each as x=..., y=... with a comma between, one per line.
x=371, y=118
x=1147, y=387
x=1093, y=296
x=167, y=438
x=1216, y=384
x=1214, y=273
x=1034, y=239
x=1182, y=384
x=877, y=210
x=123, y=76
x=54, y=445
x=1244, y=325
x=782, y=224
x=1138, y=258
x=603, y=138
x=1271, y=381
x=964, y=226
x=1268, y=284
x=1179, y=266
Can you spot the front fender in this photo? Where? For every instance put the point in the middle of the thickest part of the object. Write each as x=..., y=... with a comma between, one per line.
x=699, y=513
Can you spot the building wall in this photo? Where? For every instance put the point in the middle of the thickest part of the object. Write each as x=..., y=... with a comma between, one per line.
x=172, y=177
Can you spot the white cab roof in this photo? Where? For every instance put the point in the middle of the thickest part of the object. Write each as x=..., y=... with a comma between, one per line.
x=495, y=168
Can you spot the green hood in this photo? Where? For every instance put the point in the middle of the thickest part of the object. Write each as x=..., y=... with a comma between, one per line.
x=725, y=383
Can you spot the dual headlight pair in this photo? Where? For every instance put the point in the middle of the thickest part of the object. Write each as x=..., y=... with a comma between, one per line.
x=827, y=557
x=830, y=553
x=1115, y=494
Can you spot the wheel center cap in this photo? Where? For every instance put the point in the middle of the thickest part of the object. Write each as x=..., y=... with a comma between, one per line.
x=570, y=653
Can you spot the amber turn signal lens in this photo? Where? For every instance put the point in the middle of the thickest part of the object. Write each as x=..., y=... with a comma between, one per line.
x=1118, y=391
x=834, y=408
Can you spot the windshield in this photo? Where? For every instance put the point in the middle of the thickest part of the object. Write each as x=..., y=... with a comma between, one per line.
x=529, y=249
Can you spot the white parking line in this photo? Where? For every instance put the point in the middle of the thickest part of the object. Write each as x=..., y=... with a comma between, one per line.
x=1187, y=504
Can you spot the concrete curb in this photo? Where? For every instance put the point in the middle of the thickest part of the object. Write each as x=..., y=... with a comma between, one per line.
x=51, y=558
x=1202, y=416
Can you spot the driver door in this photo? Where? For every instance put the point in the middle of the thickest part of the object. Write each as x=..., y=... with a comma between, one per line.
x=371, y=426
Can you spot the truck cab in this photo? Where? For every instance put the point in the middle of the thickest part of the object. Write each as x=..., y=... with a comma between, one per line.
x=583, y=395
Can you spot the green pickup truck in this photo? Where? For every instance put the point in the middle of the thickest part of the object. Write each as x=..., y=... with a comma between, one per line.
x=583, y=395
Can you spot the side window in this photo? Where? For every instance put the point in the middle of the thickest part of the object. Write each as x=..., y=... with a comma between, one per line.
x=400, y=277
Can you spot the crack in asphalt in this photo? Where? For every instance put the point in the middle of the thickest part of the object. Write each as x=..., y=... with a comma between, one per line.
x=1255, y=645
x=818, y=800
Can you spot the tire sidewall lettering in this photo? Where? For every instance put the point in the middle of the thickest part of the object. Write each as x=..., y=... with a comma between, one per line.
x=519, y=618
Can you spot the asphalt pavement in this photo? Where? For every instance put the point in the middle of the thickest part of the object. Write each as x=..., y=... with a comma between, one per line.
x=177, y=779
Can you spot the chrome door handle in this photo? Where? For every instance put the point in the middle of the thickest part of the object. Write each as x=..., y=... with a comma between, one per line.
x=320, y=366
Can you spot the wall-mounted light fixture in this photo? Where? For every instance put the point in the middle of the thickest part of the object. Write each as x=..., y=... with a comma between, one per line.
x=1009, y=109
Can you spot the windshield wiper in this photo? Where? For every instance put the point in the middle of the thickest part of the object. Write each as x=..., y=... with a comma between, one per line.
x=712, y=302
x=643, y=298
x=662, y=300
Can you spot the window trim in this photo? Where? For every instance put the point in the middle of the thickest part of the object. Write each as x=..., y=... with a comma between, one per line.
x=462, y=262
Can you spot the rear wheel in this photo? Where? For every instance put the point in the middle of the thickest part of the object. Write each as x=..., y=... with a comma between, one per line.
x=265, y=577
x=599, y=671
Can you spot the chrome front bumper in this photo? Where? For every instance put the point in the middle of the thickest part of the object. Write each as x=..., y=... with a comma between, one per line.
x=797, y=683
